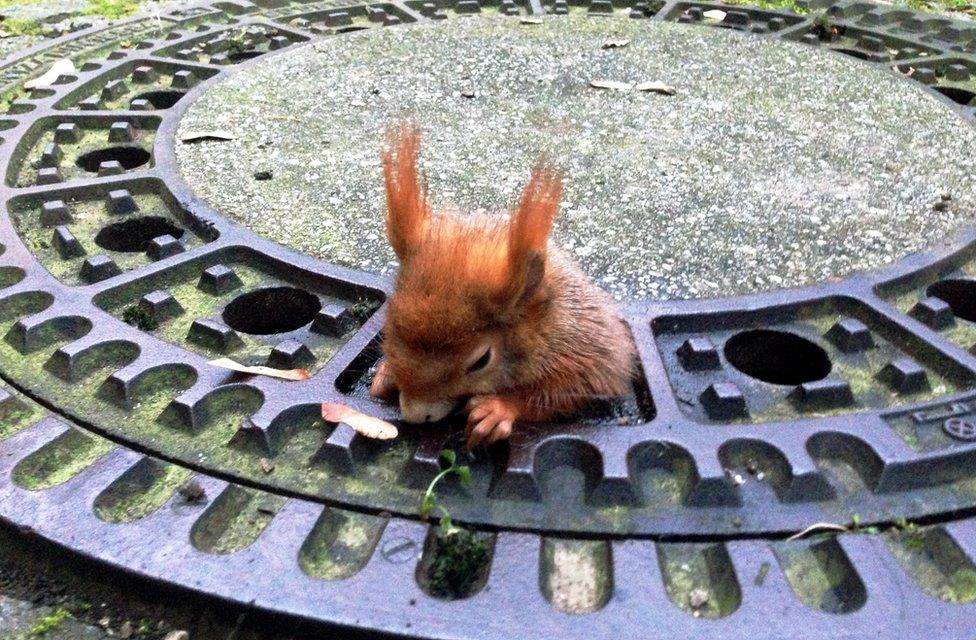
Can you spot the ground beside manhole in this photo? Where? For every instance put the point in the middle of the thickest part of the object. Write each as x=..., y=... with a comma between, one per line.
x=733, y=185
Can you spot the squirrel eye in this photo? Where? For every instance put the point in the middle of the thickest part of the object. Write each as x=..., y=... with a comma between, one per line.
x=481, y=362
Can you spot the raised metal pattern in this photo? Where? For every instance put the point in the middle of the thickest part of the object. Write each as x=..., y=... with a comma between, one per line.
x=675, y=506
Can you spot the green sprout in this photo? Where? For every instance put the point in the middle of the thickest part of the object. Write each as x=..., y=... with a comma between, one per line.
x=460, y=555
x=429, y=502
x=911, y=533
x=238, y=41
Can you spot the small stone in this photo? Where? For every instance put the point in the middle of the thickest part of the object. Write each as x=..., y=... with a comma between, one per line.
x=177, y=635
x=467, y=93
x=698, y=598
x=266, y=465
x=263, y=174
x=125, y=631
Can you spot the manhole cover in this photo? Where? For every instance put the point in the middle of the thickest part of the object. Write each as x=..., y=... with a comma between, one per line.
x=827, y=151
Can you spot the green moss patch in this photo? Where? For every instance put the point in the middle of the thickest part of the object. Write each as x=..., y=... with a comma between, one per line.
x=700, y=579
x=235, y=520
x=821, y=575
x=140, y=491
x=455, y=562
x=340, y=544
x=60, y=460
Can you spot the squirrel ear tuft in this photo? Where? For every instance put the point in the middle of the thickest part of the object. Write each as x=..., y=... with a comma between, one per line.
x=531, y=223
x=406, y=200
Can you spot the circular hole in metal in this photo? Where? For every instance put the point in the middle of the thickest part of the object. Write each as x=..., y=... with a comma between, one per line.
x=161, y=99
x=128, y=157
x=777, y=357
x=960, y=295
x=135, y=234
x=271, y=310
x=241, y=56
x=957, y=94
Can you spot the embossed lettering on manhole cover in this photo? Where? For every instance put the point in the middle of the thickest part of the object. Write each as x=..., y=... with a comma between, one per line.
x=400, y=550
x=960, y=429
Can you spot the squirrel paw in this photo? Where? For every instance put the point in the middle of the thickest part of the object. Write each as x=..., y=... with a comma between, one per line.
x=490, y=419
x=383, y=386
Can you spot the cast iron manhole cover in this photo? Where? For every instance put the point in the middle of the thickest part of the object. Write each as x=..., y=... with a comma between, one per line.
x=828, y=151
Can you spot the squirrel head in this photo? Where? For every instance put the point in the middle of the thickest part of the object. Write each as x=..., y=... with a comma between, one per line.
x=466, y=285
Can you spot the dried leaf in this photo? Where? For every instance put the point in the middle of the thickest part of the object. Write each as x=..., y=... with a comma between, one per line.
x=284, y=374
x=266, y=465
x=207, y=134
x=816, y=528
x=656, y=87
x=616, y=43
x=530, y=20
x=713, y=15
x=363, y=424
x=60, y=68
x=612, y=85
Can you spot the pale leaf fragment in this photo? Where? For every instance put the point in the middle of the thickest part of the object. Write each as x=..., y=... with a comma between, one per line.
x=206, y=134
x=713, y=15
x=530, y=20
x=284, y=374
x=612, y=85
x=817, y=528
x=363, y=424
x=656, y=87
x=616, y=43
x=60, y=68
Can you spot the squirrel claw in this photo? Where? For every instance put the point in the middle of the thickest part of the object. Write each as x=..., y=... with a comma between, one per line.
x=383, y=386
x=490, y=420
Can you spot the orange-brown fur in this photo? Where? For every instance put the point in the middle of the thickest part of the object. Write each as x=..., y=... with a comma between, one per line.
x=467, y=283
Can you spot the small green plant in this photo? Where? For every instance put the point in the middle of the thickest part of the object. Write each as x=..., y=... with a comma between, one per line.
x=363, y=309
x=238, y=41
x=459, y=555
x=137, y=317
x=428, y=502
x=21, y=27
x=48, y=623
x=110, y=9
x=911, y=533
x=855, y=526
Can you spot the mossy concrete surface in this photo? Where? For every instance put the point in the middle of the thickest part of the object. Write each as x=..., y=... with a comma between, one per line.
x=775, y=164
x=23, y=621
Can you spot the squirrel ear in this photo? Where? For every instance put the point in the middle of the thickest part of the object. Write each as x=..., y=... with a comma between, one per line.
x=406, y=201
x=528, y=237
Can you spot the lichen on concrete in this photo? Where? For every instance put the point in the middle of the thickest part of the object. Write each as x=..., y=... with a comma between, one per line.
x=576, y=575
x=775, y=164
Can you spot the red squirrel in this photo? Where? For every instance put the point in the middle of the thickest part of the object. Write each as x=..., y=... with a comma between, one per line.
x=485, y=309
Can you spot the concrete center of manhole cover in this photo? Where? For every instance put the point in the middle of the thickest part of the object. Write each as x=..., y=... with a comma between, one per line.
x=775, y=164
